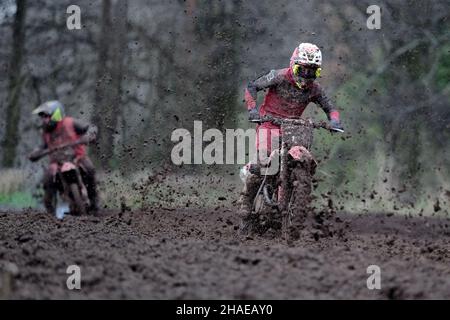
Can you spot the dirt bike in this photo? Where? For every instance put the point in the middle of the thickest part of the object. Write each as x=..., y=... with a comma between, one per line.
x=283, y=200
x=68, y=178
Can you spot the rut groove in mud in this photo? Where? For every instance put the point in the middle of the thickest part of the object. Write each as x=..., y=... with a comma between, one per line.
x=197, y=254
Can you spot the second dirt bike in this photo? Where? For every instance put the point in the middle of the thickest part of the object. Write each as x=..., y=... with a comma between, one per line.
x=68, y=178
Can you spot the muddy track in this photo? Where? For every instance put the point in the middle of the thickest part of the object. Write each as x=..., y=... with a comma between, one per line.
x=196, y=254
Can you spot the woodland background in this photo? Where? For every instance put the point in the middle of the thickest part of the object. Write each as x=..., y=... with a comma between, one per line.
x=139, y=69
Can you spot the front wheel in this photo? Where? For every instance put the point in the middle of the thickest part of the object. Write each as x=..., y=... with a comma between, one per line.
x=77, y=206
x=299, y=201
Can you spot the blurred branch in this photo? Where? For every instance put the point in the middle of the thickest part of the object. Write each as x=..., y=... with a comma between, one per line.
x=131, y=98
x=398, y=53
x=426, y=80
x=153, y=43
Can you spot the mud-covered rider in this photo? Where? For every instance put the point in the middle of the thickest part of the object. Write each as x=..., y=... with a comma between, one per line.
x=59, y=130
x=290, y=90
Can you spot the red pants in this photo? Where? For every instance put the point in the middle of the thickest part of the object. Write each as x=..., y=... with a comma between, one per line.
x=267, y=134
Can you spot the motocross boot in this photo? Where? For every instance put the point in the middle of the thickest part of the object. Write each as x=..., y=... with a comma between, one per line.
x=89, y=176
x=49, y=201
x=92, y=191
x=248, y=193
x=49, y=192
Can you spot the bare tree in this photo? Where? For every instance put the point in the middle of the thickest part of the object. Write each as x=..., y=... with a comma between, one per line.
x=103, y=78
x=12, y=137
x=110, y=71
x=217, y=27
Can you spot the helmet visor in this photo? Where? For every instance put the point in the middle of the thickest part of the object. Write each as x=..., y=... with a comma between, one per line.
x=306, y=71
x=43, y=115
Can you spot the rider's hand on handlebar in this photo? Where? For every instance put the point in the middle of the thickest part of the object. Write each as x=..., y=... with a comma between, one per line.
x=336, y=126
x=253, y=115
x=85, y=139
x=35, y=155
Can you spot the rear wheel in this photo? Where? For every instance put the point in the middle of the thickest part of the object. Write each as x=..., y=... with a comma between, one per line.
x=77, y=205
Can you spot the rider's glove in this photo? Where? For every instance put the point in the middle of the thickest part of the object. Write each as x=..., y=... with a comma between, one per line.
x=85, y=139
x=35, y=155
x=253, y=114
x=336, y=125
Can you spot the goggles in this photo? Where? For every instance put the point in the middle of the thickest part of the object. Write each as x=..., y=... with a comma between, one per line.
x=43, y=115
x=306, y=72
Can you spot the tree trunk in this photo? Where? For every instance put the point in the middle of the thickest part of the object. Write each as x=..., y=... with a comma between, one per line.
x=109, y=78
x=218, y=26
x=102, y=80
x=11, y=138
x=117, y=71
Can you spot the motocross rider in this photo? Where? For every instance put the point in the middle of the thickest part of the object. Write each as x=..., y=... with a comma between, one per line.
x=59, y=130
x=290, y=90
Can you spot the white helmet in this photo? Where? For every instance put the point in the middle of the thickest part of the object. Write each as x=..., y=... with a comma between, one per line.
x=308, y=53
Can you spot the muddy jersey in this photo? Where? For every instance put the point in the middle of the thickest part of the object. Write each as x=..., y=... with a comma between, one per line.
x=284, y=97
x=68, y=130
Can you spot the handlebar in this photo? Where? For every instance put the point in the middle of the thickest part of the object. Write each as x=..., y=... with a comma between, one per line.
x=42, y=153
x=298, y=121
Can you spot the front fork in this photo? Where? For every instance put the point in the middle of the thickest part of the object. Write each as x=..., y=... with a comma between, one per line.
x=283, y=198
x=283, y=183
x=305, y=158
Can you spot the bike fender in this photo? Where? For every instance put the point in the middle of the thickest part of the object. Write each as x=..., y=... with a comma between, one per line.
x=299, y=153
x=67, y=166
